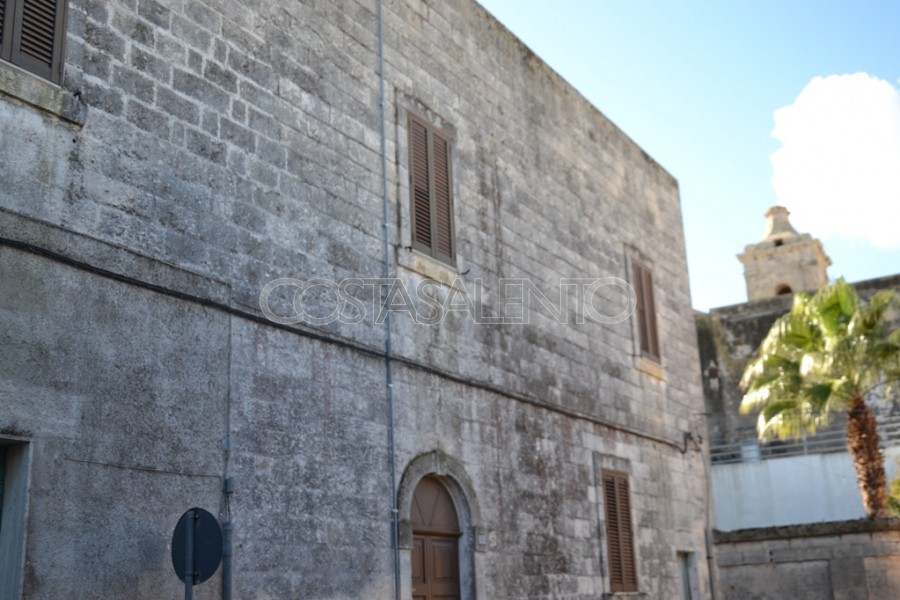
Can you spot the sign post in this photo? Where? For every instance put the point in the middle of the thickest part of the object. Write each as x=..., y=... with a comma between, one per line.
x=190, y=522
x=196, y=548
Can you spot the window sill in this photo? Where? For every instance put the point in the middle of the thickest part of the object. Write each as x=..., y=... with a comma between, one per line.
x=41, y=94
x=429, y=267
x=613, y=595
x=650, y=367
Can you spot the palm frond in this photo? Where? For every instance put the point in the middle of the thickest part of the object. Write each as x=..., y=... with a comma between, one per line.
x=789, y=422
x=765, y=368
x=894, y=337
x=834, y=306
x=815, y=358
x=879, y=306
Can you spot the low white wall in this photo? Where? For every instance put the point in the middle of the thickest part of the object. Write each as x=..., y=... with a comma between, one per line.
x=790, y=491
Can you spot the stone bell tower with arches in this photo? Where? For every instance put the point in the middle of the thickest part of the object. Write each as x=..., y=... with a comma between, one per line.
x=784, y=261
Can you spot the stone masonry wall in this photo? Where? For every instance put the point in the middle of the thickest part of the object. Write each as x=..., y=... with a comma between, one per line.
x=843, y=560
x=196, y=151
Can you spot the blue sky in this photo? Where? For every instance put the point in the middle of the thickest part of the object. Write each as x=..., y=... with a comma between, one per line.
x=697, y=84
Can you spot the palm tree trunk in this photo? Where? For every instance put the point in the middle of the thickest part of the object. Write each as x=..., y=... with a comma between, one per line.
x=862, y=440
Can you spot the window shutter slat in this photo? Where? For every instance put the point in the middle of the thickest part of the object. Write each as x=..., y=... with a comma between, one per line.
x=652, y=336
x=642, y=279
x=38, y=25
x=38, y=37
x=421, y=225
x=638, y=280
x=442, y=205
x=431, y=191
x=612, y=527
x=620, y=536
x=629, y=575
x=2, y=12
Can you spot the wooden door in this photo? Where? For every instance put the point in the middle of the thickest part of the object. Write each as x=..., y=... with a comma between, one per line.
x=435, y=554
x=435, y=571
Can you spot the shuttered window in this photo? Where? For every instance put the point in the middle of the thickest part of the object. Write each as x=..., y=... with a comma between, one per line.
x=431, y=191
x=620, y=536
x=32, y=35
x=642, y=281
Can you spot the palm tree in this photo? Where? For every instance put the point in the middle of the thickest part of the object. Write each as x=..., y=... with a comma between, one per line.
x=824, y=357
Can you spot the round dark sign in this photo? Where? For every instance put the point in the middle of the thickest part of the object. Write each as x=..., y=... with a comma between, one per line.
x=207, y=545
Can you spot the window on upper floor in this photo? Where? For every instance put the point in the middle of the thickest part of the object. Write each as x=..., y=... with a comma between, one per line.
x=642, y=282
x=619, y=533
x=32, y=36
x=431, y=191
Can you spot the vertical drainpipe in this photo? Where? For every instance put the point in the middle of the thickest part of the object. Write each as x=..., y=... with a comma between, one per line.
x=227, y=487
x=388, y=350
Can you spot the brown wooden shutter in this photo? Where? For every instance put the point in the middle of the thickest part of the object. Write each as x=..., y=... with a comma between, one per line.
x=642, y=279
x=620, y=536
x=421, y=221
x=7, y=12
x=637, y=280
x=35, y=37
x=613, y=537
x=652, y=335
x=2, y=11
x=443, y=221
x=431, y=190
x=629, y=572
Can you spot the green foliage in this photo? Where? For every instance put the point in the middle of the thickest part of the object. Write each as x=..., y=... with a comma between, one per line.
x=829, y=348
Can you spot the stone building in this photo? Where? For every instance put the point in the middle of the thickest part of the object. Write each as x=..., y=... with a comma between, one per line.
x=205, y=206
x=784, y=261
x=788, y=515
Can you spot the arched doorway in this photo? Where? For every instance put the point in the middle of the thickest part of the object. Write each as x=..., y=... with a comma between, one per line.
x=435, y=551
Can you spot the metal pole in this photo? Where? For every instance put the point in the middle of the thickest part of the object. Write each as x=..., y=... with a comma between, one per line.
x=227, y=484
x=189, y=556
x=388, y=350
x=227, y=553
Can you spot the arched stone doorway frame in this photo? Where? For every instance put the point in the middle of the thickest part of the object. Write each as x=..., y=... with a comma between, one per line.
x=473, y=539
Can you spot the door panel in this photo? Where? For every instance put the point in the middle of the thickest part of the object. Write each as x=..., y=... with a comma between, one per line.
x=419, y=585
x=444, y=552
x=435, y=568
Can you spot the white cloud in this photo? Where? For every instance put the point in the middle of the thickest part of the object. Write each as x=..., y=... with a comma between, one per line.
x=838, y=170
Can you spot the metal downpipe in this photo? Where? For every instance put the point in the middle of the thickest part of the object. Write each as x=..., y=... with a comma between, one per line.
x=388, y=350
x=227, y=487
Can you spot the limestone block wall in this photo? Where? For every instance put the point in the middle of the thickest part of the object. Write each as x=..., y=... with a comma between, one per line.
x=841, y=560
x=198, y=150
x=800, y=264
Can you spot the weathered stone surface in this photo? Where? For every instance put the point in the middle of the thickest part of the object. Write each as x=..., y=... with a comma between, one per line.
x=226, y=144
x=784, y=261
x=843, y=560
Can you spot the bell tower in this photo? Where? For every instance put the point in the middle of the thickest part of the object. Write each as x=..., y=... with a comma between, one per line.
x=784, y=261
